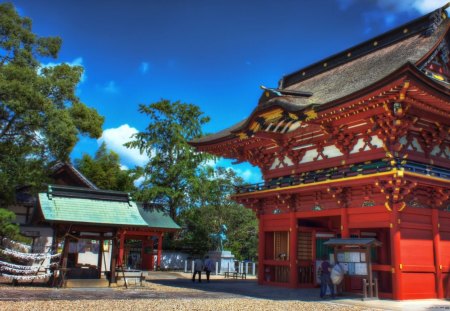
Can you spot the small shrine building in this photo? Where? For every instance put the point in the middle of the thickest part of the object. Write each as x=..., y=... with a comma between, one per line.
x=355, y=146
x=94, y=225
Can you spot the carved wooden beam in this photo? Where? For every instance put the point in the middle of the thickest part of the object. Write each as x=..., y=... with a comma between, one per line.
x=340, y=137
x=438, y=196
x=396, y=188
x=341, y=194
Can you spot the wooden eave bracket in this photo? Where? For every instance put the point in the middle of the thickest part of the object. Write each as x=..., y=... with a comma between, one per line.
x=396, y=188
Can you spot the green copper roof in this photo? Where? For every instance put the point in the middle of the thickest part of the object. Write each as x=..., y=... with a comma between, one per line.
x=157, y=219
x=89, y=210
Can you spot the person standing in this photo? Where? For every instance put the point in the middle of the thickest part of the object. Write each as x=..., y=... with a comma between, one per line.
x=208, y=267
x=198, y=267
x=325, y=279
x=130, y=261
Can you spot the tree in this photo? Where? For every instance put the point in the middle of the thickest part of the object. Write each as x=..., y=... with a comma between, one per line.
x=40, y=115
x=105, y=172
x=211, y=191
x=7, y=227
x=173, y=162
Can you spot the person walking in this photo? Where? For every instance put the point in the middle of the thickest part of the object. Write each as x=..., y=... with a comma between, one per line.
x=198, y=267
x=325, y=279
x=208, y=267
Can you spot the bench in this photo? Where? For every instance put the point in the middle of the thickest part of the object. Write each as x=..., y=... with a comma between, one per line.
x=235, y=275
x=131, y=275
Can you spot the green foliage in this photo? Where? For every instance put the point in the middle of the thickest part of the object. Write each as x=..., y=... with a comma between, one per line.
x=211, y=192
x=40, y=115
x=105, y=172
x=7, y=228
x=196, y=196
x=173, y=162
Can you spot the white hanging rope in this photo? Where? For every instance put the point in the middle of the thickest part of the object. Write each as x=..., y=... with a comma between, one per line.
x=18, y=267
x=17, y=271
x=26, y=277
x=27, y=256
x=17, y=245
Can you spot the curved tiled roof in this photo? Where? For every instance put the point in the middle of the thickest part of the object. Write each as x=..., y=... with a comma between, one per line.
x=354, y=69
x=362, y=72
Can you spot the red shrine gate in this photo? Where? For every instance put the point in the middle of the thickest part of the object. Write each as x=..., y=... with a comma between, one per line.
x=356, y=145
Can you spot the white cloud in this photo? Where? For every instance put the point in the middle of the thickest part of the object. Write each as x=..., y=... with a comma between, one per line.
x=139, y=181
x=110, y=87
x=250, y=174
x=246, y=174
x=421, y=6
x=116, y=137
x=76, y=62
x=144, y=67
x=399, y=6
x=386, y=12
x=425, y=6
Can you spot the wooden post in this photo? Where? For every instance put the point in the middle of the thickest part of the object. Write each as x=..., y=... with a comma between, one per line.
x=397, y=288
x=147, y=253
x=383, y=237
x=369, y=269
x=99, y=259
x=314, y=257
x=437, y=252
x=345, y=231
x=293, y=237
x=65, y=252
x=152, y=259
x=121, y=248
x=114, y=252
x=160, y=240
x=261, y=250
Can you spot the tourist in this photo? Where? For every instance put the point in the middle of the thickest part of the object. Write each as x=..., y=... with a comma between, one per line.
x=198, y=267
x=325, y=279
x=130, y=262
x=208, y=267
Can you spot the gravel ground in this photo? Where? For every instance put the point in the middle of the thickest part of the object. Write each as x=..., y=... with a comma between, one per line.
x=171, y=304
x=119, y=299
x=180, y=295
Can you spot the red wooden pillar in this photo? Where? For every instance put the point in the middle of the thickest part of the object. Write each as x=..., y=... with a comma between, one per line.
x=345, y=230
x=261, y=247
x=152, y=259
x=293, y=237
x=384, y=281
x=121, y=248
x=396, y=269
x=147, y=253
x=158, y=260
x=437, y=252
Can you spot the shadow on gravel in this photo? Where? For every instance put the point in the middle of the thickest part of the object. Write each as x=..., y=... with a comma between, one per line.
x=216, y=289
x=246, y=288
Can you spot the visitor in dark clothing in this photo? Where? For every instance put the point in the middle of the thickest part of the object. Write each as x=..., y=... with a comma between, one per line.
x=325, y=279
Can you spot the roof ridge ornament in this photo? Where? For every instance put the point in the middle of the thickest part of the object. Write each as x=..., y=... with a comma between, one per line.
x=283, y=92
x=437, y=17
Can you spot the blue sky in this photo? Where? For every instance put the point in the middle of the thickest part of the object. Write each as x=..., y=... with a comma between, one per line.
x=212, y=53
